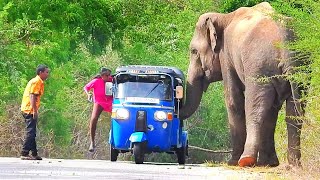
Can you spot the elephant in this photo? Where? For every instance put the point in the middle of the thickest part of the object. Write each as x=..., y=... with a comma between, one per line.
x=245, y=50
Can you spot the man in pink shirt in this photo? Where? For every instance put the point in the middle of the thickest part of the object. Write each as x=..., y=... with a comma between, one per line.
x=101, y=101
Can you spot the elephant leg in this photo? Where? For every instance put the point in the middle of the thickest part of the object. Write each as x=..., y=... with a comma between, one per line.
x=234, y=98
x=294, y=126
x=267, y=152
x=237, y=126
x=259, y=101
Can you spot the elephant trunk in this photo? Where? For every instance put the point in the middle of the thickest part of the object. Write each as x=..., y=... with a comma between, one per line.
x=193, y=98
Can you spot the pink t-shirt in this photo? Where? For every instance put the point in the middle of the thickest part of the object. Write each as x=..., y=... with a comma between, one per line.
x=99, y=93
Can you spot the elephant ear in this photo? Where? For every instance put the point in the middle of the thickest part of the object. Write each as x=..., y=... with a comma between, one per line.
x=212, y=34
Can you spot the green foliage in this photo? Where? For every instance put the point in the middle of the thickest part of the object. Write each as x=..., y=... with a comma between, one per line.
x=226, y=6
x=209, y=127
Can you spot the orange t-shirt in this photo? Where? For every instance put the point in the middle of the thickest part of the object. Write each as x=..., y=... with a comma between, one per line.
x=34, y=86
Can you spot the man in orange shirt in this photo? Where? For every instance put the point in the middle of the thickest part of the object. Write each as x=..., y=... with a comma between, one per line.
x=29, y=107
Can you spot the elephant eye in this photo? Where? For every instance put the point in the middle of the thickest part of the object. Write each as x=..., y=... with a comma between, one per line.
x=194, y=51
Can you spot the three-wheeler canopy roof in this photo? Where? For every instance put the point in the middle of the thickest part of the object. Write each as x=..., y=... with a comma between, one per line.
x=152, y=70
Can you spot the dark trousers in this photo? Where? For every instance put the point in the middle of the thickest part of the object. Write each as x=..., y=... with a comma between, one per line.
x=29, y=143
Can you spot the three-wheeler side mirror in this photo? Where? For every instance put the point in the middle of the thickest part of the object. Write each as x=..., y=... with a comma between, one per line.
x=108, y=87
x=179, y=92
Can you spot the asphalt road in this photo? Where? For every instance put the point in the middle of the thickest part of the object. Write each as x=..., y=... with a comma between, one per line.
x=14, y=168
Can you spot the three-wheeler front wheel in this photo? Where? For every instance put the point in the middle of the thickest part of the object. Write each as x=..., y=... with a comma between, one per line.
x=113, y=154
x=138, y=152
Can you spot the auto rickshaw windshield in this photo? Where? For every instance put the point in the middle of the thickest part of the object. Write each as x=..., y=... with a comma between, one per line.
x=158, y=86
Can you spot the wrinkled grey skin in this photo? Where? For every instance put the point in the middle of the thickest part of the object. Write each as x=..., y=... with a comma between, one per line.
x=240, y=48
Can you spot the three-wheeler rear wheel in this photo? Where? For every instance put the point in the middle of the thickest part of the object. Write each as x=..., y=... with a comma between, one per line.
x=113, y=154
x=181, y=154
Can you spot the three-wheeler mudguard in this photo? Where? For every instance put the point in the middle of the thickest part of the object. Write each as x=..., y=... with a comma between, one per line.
x=137, y=137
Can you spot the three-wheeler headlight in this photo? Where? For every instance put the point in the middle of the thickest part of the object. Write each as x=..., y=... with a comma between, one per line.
x=161, y=115
x=120, y=113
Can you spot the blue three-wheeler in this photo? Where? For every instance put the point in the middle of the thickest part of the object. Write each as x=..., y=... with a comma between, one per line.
x=145, y=112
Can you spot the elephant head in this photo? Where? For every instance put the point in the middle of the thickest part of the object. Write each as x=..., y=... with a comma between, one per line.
x=204, y=66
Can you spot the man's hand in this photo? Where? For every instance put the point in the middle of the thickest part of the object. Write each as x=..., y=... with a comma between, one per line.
x=33, y=101
x=89, y=97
